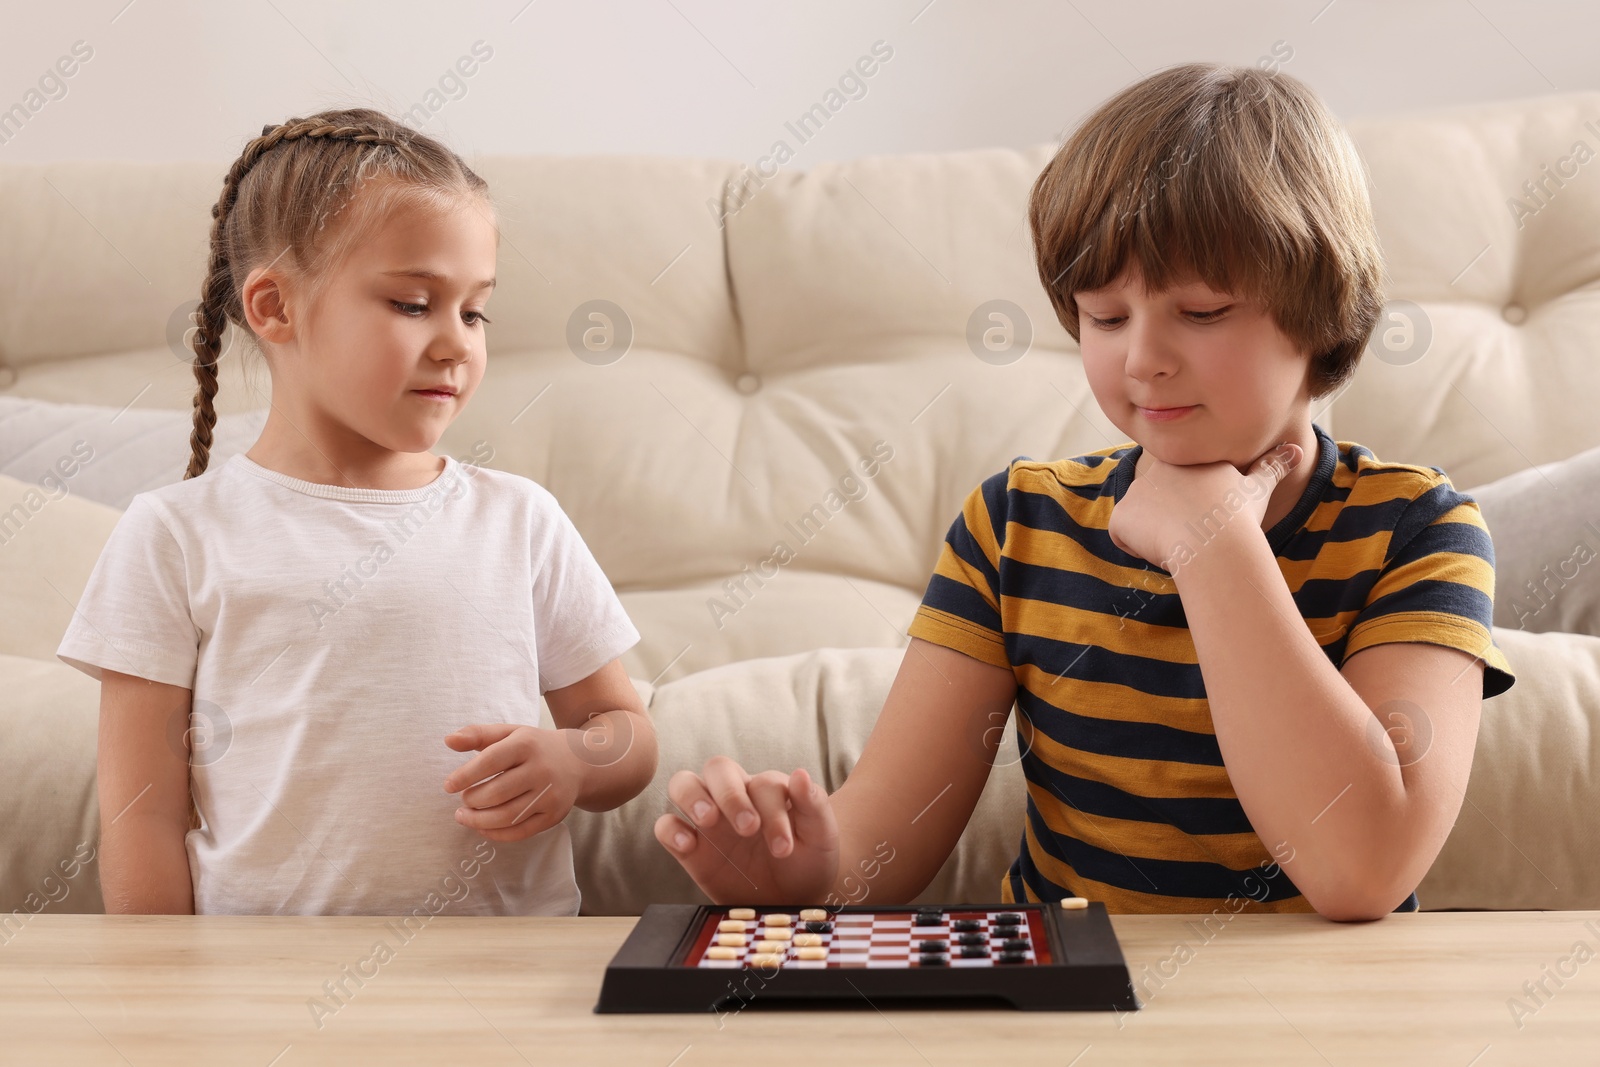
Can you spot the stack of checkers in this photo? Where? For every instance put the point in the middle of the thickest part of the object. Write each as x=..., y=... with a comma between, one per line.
x=924, y=937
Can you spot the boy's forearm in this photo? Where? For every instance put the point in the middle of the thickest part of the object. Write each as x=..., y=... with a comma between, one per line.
x=144, y=867
x=876, y=864
x=617, y=753
x=1293, y=733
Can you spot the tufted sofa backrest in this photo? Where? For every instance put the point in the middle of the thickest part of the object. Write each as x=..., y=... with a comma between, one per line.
x=762, y=400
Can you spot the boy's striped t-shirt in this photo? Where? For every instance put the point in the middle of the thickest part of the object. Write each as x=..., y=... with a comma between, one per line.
x=1128, y=799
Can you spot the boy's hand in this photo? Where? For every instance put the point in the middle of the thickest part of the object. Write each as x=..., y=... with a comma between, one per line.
x=536, y=780
x=768, y=839
x=1154, y=516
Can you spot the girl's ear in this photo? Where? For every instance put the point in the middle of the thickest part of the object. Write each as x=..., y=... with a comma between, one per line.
x=266, y=306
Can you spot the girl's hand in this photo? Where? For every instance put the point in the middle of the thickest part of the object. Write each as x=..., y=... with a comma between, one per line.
x=1170, y=511
x=536, y=779
x=769, y=839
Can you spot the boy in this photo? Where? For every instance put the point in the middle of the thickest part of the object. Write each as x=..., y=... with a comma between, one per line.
x=1247, y=660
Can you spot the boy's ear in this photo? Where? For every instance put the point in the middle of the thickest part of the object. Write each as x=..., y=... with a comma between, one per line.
x=266, y=306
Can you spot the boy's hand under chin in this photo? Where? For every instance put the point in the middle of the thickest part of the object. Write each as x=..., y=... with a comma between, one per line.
x=1167, y=505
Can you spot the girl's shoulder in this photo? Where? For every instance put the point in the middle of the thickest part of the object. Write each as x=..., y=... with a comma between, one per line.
x=503, y=486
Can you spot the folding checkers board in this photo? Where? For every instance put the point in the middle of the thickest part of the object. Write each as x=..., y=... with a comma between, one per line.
x=1037, y=957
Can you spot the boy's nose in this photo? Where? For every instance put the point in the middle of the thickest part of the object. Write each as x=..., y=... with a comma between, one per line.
x=1150, y=355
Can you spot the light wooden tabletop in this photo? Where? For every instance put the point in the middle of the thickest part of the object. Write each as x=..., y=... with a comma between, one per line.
x=1423, y=988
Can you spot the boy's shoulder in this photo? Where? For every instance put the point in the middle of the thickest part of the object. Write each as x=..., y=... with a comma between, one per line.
x=1359, y=460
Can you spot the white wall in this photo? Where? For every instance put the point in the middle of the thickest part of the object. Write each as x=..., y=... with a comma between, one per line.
x=196, y=79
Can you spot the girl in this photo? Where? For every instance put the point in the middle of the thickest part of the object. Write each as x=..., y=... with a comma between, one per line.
x=340, y=610
x=1247, y=660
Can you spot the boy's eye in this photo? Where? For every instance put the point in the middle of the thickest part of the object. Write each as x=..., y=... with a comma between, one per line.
x=1199, y=316
x=478, y=317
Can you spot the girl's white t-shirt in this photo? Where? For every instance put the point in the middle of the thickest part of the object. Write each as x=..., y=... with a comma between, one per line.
x=332, y=637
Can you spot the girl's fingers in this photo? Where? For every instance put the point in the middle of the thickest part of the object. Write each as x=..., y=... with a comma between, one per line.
x=500, y=789
x=492, y=758
x=501, y=816
x=770, y=792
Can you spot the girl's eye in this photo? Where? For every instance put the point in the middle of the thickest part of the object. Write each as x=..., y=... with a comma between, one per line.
x=1103, y=324
x=413, y=310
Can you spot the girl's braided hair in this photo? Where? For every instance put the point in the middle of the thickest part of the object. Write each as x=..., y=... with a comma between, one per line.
x=276, y=202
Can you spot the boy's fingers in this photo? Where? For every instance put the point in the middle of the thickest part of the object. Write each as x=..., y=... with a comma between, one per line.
x=812, y=814
x=675, y=835
x=703, y=865
x=728, y=785
x=689, y=795
x=770, y=792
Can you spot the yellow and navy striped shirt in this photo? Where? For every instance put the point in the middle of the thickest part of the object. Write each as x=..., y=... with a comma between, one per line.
x=1128, y=799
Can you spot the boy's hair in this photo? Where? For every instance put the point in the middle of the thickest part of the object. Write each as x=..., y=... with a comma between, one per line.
x=277, y=200
x=1235, y=175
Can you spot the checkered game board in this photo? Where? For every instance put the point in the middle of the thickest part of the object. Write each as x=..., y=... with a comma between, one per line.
x=892, y=938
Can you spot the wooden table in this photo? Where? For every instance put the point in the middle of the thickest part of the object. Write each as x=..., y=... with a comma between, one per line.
x=1419, y=988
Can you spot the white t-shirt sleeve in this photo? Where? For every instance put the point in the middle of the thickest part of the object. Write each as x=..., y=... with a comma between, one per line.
x=579, y=623
x=134, y=614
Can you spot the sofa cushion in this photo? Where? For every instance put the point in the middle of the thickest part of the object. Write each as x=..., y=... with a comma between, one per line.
x=108, y=454
x=49, y=541
x=49, y=717
x=1484, y=362
x=1524, y=839
x=1545, y=522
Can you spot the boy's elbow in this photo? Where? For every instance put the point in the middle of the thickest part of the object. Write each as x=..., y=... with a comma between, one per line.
x=1358, y=903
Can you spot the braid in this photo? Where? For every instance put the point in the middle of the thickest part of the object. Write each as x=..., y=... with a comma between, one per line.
x=217, y=295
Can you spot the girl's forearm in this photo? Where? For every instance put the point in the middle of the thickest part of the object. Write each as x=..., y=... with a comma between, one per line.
x=144, y=867
x=617, y=753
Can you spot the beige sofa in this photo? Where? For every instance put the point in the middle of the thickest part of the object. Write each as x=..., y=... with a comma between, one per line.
x=760, y=338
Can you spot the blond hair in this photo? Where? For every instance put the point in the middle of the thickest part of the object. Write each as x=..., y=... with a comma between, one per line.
x=1233, y=174
x=277, y=201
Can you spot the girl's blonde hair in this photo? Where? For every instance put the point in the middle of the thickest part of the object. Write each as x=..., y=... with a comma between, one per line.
x=277, y=200
x=276, y=204
x=1233, y=174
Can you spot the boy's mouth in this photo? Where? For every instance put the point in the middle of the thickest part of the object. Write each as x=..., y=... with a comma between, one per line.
x=1165, y=414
